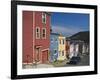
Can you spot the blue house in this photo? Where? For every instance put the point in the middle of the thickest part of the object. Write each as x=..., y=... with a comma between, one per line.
x=53, y=47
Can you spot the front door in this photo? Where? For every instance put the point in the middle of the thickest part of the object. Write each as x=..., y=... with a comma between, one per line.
x=38, y=54
x=44, y=56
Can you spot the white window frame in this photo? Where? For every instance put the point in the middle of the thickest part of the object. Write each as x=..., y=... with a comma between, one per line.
x=37, y=32
x=45, y=33
x=44, y=17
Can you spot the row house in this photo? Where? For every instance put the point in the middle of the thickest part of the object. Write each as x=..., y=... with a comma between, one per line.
x=79, y=43
x=76, y=48
x=85, y=48
x=36, y=36
x=54, y=46
x=61, y=48
x=67, y=47
x=57, y=47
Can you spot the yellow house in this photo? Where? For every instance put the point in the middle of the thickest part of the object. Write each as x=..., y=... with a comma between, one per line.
x=61, y=48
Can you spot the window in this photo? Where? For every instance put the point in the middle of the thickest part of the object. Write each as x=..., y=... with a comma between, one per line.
x=55, y=51
x=56, y=40
x=51, y=39
x=37, y=33
x=62, y=53
x=44, y=33
x=44, y=18
x=63, y=41
x=59, y=53
x=59, y=41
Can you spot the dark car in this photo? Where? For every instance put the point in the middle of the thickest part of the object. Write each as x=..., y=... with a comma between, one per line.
x=74, y=60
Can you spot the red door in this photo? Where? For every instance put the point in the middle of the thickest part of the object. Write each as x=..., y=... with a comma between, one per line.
x=44, y=56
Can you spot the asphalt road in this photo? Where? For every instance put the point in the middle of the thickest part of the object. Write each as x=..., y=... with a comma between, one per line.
x=84, y=61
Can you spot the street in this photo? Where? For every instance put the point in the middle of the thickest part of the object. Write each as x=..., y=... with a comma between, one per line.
x=83, y=62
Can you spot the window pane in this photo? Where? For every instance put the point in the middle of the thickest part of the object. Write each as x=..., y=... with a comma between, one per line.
x=60, y=41
x=43, y=17
x=36, y=29
x=37, y=32
x=44, y=33
x=62, y=53
x=55, y=51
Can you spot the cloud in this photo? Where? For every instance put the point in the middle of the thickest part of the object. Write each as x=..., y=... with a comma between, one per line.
x=67, y=31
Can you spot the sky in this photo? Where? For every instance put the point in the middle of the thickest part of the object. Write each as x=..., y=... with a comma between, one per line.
x=69, y=23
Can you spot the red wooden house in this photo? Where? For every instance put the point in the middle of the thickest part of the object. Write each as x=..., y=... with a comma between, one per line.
x=36, y=36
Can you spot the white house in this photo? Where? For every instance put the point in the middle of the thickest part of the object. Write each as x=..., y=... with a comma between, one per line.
x=76, y=48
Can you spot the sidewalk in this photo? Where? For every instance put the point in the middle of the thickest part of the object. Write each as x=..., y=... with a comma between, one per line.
x=44, y=66
x=38, y=66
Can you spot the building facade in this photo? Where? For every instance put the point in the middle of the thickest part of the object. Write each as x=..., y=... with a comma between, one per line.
x=62, y=48
x=76, y=48
x=85, y=48
x=67, y=47
x=53, y=47
x=36, y=37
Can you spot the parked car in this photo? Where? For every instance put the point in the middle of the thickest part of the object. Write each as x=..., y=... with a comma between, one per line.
x=74, y=60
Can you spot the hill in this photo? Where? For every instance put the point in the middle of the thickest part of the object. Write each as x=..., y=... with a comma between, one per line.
x=84, y=36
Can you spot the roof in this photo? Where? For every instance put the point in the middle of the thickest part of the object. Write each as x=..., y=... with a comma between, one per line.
x=83, y=36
